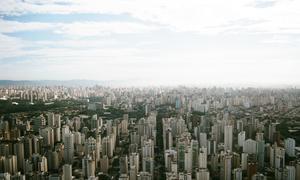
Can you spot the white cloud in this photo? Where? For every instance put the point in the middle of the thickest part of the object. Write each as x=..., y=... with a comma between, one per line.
x=79, y=29
x=11, y=47
x=103, y=28
x=202, y=46
x=14, y=26
x=193, y=15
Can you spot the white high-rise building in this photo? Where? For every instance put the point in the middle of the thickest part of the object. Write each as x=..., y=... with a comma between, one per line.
x=43, y=166
x=107, y=146
x=65, y=130
x=250, y=146
x=132, y=172
x=67, y=172
x=48, y=136
x=188, y=155
x=244, y=161
x=170, y=156
x=88, y=166
x=279, y=158
x=134, y=161
x=228, y=138
x=148, y=148
x=289, y=145
x=90, y=145
x=241, y=138
x=227, y=167
x=203, y=158
x=291, y=173
x=202, y=174
x=238, y=174
x=203, y=140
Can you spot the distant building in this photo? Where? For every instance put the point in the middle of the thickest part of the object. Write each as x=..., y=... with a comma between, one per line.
x=289, y=145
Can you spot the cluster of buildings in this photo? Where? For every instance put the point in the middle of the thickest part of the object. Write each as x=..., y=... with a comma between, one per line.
x=46, y=147
x=208, y=133
x=227, y=150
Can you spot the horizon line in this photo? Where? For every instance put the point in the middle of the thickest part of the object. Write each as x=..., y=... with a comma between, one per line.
x=125, y=83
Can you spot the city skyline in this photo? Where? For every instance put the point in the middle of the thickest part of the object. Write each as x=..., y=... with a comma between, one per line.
x=252, y=42
x=173, y=133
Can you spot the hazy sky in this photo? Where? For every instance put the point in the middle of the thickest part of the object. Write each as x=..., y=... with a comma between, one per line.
x=151, y=41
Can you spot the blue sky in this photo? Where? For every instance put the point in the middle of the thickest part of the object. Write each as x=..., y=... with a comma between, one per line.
x=152, y=42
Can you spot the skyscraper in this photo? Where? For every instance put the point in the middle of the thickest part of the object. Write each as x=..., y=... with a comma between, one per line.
x=241, y=138
x=188, y=159
x=88, y=166
x=67, y=172
x=203, y=158
x=123, y=165
x=228, y=138
x=180, y=155
x=238, y=174
x=261, y=154
x=68, y=148
x=203, y=140
x=195, y=153
x=250, y=146
x=134, y=161
x=202, y=174
x=19, y=152
x=291, y=173
x=50, y=118
x=227, y=167
x=289, y=145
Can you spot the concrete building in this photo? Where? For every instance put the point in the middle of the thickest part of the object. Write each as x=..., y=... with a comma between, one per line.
x=67, y=172
x=228, y=133
x=289, y=145
x=68, y=140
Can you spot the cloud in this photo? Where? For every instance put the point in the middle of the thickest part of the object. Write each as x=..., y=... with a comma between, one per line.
x=264, y=3
x=103, y=28
x=168, y=41
x=11, y=47
x=14, y=26
x=282, y=39
x=194, y=15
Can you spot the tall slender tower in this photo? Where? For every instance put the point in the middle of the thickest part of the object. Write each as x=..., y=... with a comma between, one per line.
x=227, y=167
x=228, y=138
x=68, y=148
x=67, y=172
